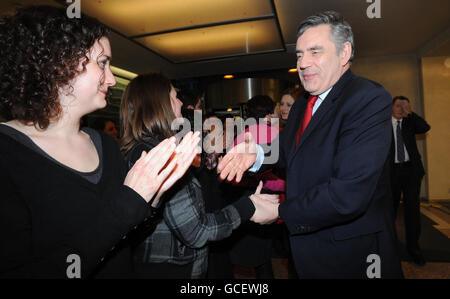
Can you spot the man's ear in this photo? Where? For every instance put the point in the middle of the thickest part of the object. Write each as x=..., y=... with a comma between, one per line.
x=346, y=53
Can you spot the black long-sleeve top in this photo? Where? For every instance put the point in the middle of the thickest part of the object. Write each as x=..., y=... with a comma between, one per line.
x=49, y=212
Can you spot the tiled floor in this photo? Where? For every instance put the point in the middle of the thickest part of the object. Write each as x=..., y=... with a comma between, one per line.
x=435, y=244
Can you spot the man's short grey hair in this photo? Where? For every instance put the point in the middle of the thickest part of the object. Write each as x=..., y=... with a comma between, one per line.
x=341, y=31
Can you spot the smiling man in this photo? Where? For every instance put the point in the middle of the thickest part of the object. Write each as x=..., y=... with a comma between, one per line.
x=334, y=148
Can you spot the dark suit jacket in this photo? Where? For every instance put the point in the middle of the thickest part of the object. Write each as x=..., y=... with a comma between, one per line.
x=412, y=125
x=338, y=208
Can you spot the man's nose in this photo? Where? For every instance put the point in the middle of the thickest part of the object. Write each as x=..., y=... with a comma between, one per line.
x=303, y=62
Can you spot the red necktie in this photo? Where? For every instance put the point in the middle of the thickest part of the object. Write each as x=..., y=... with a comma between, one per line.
x=307, y=117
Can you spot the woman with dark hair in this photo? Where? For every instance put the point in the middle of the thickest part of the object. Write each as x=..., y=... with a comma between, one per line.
x=288, y=97
x=108, y=126
x=177, y=248
x=67, y=201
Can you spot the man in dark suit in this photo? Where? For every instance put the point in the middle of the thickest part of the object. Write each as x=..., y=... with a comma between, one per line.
x=335, y=145
x=407, y=170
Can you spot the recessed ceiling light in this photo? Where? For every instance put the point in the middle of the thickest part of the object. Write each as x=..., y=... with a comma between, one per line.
x=228, y=77
x=123, y=73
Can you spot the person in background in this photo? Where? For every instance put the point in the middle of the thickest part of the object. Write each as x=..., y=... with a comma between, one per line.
x=108, y=126
x=274, y=118
x=66, y=194
x=407, y=170
x=191, y=99
x=178, y=246
x=288, y=97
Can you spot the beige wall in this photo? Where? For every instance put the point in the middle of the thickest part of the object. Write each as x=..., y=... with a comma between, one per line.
x=436, y=90
x=400, y=75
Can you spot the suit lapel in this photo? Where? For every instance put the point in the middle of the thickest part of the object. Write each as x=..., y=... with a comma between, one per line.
x=297, y=122
x=323, y=109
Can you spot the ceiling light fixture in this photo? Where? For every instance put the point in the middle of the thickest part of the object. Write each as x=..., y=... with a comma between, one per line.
x=123, y=73
x=186, y=31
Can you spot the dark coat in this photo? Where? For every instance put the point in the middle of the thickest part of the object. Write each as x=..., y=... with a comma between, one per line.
x=412, y=125
x=338, y=206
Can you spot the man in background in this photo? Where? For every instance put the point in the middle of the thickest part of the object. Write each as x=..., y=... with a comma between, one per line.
x=407, y=171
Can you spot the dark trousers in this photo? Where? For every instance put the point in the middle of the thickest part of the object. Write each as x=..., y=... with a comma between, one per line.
x=405, y=181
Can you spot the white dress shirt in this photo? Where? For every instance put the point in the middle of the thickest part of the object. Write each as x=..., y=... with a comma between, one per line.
x=394, y=128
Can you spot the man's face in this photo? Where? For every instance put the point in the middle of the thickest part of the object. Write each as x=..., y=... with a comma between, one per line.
x=397, y=109
x=318, y=63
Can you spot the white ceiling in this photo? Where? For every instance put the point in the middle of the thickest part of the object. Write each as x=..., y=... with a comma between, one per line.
x=405, y=26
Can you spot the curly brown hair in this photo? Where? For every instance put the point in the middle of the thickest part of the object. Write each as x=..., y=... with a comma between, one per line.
x=40, y=50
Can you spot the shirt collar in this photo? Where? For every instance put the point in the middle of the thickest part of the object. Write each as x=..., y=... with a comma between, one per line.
x=324, y=94
x=394, y=120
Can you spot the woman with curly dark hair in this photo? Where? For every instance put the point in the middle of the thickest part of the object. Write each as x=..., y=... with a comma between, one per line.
x=67, y=201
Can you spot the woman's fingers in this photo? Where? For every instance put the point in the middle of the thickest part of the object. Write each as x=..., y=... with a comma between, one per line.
x=187, y=145
x=160, y=148
x=145, y=157
x=165, y=174
x=155, y=160
x=152, y=174
x=184, y=142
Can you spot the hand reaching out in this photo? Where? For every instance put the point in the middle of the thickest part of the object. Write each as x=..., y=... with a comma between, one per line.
x=240, y=158
x=266, y=206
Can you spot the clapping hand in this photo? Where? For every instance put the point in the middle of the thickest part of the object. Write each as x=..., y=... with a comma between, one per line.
x=185, y=153
x=266, y=206
x=152, y=175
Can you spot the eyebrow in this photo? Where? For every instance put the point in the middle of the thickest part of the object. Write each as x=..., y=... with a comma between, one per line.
x=310, y=49
x=107, y=57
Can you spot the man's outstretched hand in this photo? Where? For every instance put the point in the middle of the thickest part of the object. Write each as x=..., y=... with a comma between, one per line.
x=240, y=158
